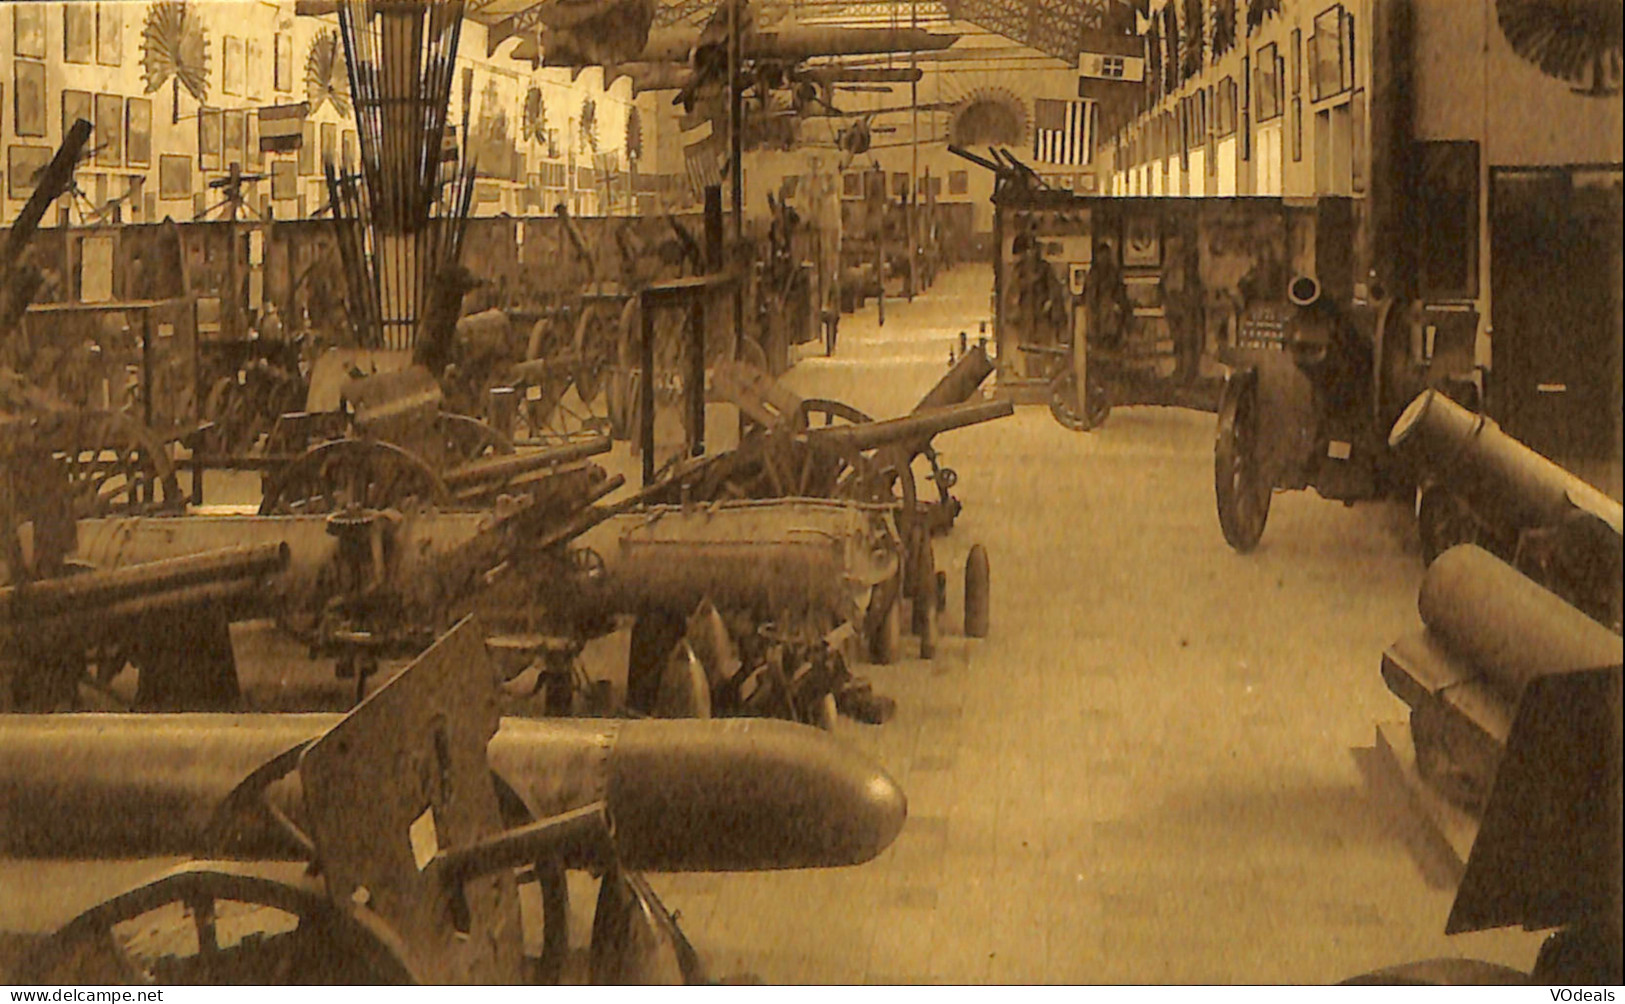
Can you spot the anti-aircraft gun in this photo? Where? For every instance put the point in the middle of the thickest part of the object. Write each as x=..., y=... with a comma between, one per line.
x=413, y=875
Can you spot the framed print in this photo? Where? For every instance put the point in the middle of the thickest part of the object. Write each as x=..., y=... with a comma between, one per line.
x=1327, y=73
x=330, y=143
x=1297, y=129
x=1142, y=245
x=77, y=105
x=1297, y=61
x=282, y=61
x=307, y=149
x=210, y=139
x=253, y=61
x=351, y=153
x=174, y=176
x=109, y=124
x=23, y=164
x=29, y=92
x=1357, y=116
x=78, y=32
x=138, y=132
x=109, y=34
x=231, y=65
x=256, y=156
x=1347, y=79
x=236, y=134
x=284, y=179
x=1268, y=83
x=28, y=29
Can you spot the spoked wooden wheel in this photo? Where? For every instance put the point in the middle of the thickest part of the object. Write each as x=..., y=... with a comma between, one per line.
x=468, y=439
x=1240, y=486
x=352, y=472
x=1075, y=414
x=596, y=347
x=116, y=467
x=219, y=923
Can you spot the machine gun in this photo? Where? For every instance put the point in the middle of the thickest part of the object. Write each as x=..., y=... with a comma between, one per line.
x=1481, y=486
x=1515, y=701
x=413, y=875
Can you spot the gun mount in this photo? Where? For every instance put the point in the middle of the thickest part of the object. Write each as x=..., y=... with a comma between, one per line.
x=1483, y=486
x=413, y=874
x=1515, y=723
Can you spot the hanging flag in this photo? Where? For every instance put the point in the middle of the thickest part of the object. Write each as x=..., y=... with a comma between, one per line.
x=282, y=126
x=705, y=161
x=1063, y=131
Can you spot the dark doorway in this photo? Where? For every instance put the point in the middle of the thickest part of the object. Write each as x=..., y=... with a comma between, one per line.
x=1555, y=288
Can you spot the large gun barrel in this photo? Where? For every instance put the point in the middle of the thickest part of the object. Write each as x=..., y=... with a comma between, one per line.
x=960, y=382
x=497, y=470
x=909, y=430
x=1497, y=475
x=719, y=795
x=87, y=594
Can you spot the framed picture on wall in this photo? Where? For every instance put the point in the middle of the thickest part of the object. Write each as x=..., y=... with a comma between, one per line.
x=138, y=132
x=29, y=91
x=23, y=163
x=109, y=124
x=28, y=29
x=1268, y=83
x=210, y=139
x=255, y=156
x=1296, y=72
x=78, y=32
x=282, y=61
x=1297, y=129
x=253, y=59
x=1142, y=245
x=307, y=149
x=284, y=179
x=231, y=65
x=1357, y=145
x=958, y=182
x=174, y=176
x=109, y=34
x=236, y=135
x=77, y=105
x=1326, y=72
x=330, y=143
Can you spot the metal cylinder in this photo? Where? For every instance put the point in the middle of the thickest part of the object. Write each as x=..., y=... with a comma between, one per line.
x=1501, y=478
x=958, y=384
x=720, y=795
x=1505, y=624
x=82, y=594
x=1303, y=290
x=909, y=429
x=499, y=469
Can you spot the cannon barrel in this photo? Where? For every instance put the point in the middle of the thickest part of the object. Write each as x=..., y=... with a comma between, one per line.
x=719, y=795
x=91, y=593
x=909, y=430
x=1495, y=473
x=1505, y=624
x=533, y=371
x=960, y=382
x=499, y=469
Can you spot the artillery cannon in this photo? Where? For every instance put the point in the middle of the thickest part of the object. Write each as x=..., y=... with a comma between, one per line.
x=413, y=875
x=1481, y=486
x=1515, y=724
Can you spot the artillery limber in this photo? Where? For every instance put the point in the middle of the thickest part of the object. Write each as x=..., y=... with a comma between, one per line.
x=1511, y=762
x=413, y=875
x=1479, y=485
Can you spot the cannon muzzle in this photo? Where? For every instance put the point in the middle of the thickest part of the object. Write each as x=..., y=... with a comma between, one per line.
x=1497, y=475
x=908, y=431
x=719, y=795
x=499, y=470
x=960, y=382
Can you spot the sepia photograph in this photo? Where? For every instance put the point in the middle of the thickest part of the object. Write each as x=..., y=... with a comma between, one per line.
x=852, y=493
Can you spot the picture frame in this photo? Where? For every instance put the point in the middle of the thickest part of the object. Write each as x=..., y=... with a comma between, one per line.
x=1357, y=127
x=23, y=162
x=284, y=179
x=281, y=62
x=78, y=33
x=1297, y=61
x=210, y=138
x=28, y=30
x=253, y=59
x=109, y=122
x=232, y=55
x=1297, y=129
x=28, y=92
x=234, y=139
x=330, y=143
x=1327, y=74
x=77, y=105
x=307, y=150
x=1142, y=242
x=174, y=176
x=138, y=132
x=110, y=34
x=255, y=157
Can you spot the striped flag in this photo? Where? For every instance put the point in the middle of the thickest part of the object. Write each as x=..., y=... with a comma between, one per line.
x=705, y=162
x=1064, y=131
x=282, y=127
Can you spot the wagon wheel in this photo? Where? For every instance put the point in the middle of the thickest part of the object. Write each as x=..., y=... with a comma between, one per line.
x=467, y=439
x=1240, y=485
x=1079, y=416
x=596, y=347
x=215, y=923
x=352, y=472
x=116, y=467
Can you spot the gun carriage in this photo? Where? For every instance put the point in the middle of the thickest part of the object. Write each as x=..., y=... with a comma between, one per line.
x=413, y=876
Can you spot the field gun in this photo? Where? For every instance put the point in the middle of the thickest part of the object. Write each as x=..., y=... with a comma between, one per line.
x=412, y=875
x=1482, y=486
x=1512, y=759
